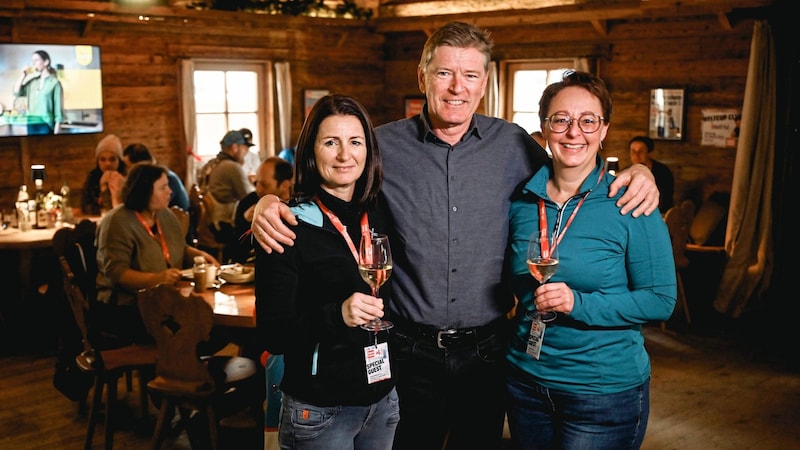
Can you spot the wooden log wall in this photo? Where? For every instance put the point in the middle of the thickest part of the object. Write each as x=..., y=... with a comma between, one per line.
x=141, y=62
x=141, y=74
x=692, y=53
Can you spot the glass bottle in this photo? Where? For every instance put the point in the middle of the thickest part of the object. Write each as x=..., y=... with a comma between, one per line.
x=66, y=208
x=41, y=208
x=23, y=215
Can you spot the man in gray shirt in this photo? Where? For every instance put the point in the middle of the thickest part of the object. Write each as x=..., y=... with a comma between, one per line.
x=449, y=174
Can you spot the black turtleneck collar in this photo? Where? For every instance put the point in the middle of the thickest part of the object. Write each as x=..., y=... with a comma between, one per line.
x=348, y=212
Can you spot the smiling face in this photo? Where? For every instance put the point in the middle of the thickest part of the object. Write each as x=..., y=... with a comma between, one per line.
x=454, y=83
x=340, y=152
x=575, y=148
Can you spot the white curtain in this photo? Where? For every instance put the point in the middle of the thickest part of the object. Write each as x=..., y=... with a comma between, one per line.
x=492, y=98
x=748, y=237
x=189, y=124
x=283, y=89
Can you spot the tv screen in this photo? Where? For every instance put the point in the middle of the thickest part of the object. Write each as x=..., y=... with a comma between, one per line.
x=50, y=89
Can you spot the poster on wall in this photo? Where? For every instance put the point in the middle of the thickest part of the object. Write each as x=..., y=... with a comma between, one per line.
x=720, y=127
x=310, y=97
x=666, y=114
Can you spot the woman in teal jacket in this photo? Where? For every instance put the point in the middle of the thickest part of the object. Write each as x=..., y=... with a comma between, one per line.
x=582, y=381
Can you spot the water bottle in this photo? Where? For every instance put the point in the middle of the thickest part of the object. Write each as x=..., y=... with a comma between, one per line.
x=66, y=209
x=199, y=270
x=23, y=213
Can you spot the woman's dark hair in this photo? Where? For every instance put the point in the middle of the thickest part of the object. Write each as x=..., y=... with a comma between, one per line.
x=138, y=187
x=585, y=80
x=307, y=178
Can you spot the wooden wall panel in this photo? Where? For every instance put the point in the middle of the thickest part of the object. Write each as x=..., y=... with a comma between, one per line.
x=141, y=75
x=141, y=93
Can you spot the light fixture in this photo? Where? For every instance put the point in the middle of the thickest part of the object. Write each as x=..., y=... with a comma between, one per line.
x=38, y=173
x=612, y=165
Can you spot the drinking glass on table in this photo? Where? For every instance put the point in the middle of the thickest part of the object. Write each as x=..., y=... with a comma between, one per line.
x=375, y=266
x=542, y=263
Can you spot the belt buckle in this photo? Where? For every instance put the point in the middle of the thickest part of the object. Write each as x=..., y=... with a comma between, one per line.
x=441, y=333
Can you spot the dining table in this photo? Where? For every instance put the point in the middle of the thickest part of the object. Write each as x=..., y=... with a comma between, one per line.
x=234, y=304
x=27, y=268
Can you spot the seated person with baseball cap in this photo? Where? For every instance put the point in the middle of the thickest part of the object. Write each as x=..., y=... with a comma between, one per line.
x=225, y=180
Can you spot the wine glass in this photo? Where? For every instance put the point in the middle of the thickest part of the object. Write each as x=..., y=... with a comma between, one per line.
x=542, y=263
x=375, y=266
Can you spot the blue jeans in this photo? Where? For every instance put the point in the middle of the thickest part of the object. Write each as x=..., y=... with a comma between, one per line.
x=306, y=426
x=542, y=418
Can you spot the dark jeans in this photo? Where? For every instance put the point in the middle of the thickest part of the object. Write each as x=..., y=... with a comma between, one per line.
x=542, y=418
x=453, y=394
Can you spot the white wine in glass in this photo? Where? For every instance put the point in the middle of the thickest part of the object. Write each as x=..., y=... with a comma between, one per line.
x=542, y=263
x=375, y=266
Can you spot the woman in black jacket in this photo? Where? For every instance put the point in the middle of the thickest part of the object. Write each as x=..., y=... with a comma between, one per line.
x=311, y=300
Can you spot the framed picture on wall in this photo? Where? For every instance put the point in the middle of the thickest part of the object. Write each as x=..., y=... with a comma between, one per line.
x=666, y=114
x=413, y=105
x=310, y=97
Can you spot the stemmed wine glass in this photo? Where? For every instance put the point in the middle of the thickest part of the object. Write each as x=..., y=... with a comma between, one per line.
x=375, y=266
x=542, y=263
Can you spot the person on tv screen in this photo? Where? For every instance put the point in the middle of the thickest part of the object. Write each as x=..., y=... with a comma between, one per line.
x=40, y=86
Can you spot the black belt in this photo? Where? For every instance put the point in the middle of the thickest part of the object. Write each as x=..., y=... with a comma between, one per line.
x=449, y=337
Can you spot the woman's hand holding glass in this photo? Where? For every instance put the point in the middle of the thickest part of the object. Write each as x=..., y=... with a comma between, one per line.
x=542, y=263
x=375, y=266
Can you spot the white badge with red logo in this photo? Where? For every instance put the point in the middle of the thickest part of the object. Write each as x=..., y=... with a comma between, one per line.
x=535, y=337
x=377, y=357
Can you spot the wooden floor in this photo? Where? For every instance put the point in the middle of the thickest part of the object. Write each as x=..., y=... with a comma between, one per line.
x=708, y=392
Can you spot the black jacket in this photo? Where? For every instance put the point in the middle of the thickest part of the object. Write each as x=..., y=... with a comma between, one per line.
x=298, y=301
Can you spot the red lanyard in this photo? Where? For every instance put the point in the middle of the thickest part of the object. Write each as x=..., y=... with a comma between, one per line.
x=543, y=221
x=160, y=238
x=340, y=228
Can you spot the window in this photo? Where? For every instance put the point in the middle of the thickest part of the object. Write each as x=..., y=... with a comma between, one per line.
x=230, y=96
x=524, y=83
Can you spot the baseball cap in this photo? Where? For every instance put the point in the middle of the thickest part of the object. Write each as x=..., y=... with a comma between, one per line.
x=248, y=136
x=233, y=137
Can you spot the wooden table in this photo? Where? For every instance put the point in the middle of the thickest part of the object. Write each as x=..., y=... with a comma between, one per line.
x=14, y=239
x=234, y=304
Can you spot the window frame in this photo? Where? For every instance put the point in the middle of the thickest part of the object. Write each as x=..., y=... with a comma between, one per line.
x=265, y=86
x=509, y=69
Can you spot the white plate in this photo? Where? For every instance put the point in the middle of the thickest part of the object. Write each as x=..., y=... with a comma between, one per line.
x=237, y=273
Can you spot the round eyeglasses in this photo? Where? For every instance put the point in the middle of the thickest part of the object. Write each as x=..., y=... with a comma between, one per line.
x=588, y=123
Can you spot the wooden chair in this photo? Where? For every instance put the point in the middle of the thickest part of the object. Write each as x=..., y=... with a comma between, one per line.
x=202, y=206
x=184, y=218
x=105, y=365
x=217, y=387
x=679, y=220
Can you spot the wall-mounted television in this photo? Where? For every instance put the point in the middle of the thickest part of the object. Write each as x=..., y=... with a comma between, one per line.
x=68, y=99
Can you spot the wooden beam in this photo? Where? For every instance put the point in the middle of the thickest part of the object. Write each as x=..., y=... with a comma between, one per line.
x=601, y=26
x=724, y=21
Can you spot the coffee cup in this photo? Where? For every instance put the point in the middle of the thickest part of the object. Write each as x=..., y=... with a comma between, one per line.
x=211, y=275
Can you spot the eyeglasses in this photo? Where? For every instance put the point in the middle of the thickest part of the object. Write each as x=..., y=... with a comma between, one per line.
x=588, y=123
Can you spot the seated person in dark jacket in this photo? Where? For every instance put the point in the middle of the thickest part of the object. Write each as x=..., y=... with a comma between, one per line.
x=641, y=147
x=274, y=176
